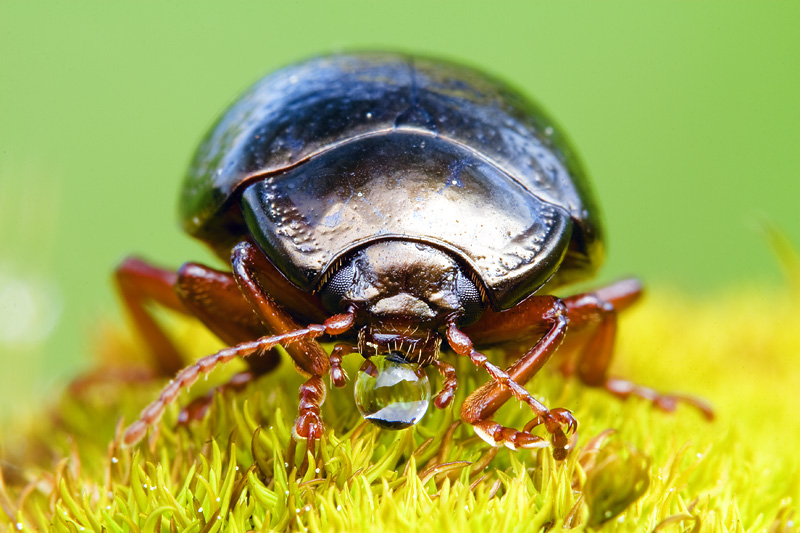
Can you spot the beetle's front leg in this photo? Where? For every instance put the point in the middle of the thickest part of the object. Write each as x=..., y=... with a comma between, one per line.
x=151, y=414
x=309, y=357
x=484, y=402
x=246, y=261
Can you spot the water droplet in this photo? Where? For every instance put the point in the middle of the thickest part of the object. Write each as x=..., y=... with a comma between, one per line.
x=391, y=392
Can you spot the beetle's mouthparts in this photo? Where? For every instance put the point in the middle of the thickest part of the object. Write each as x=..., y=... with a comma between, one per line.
x=412, y=345
x=392, y=392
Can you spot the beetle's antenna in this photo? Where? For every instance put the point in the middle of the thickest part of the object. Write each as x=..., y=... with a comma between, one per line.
x=150, y=415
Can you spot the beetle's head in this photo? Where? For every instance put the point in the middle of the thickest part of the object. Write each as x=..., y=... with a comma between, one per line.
x=404, y=294
x=401, y=286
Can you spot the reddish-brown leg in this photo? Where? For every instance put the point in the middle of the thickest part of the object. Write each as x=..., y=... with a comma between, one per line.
x=152, y=413
x=207, y=294
x=595, y=314
x=140, y=283
x=309, y=357
x=309, y=426
x=445, y=396
x=592, y=327
x=485, y=401
x=197, y=408
x=234, y=307
x=214, y=298
x=338, y=375
x=593, y=324
x=196, y=290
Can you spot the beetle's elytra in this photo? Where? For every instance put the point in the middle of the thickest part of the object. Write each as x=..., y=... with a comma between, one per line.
x=405, y=208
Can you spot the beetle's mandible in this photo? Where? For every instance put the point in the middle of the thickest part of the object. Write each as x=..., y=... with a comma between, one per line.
x=404, y=208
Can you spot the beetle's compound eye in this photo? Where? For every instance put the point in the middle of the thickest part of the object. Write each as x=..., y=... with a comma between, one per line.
x=470, y=298
x=334, y=291
x=391, y=392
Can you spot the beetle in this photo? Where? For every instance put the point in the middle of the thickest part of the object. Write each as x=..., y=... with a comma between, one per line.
x=394, y=204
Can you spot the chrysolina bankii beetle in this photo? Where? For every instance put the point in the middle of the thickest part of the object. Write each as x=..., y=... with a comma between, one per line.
x=402, y=207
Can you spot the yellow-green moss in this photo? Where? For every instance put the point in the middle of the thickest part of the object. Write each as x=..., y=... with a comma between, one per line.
x=652, y=471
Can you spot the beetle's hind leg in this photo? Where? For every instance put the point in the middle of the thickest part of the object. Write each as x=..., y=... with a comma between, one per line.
x=139, y=284
x=194, y=290
x=210, y=296
x=594, y=315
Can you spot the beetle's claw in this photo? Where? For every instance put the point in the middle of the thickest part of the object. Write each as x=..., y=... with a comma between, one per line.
x=561, y=424
x=555, y=420
x=565, y=419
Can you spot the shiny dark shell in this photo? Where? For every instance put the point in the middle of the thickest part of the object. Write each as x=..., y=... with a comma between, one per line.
x=322, y=157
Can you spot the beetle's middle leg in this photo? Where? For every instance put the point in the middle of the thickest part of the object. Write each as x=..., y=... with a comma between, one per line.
x=594, y=315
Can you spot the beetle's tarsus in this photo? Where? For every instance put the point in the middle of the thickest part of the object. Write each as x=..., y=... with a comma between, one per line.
x=561, y=424
x=477, y=409
x=308, y=425
x=666, y=402
x=338, y=375
x=496, y=435
x=558, y=419
x=445, y=396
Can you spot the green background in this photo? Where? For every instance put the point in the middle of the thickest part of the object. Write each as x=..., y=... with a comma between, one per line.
x=687, y=115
